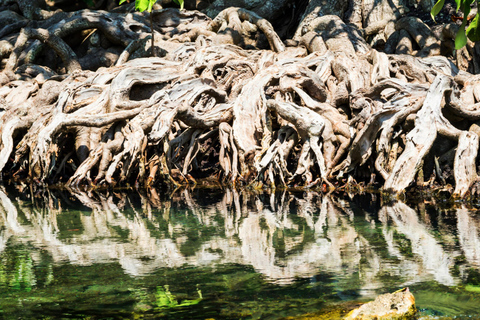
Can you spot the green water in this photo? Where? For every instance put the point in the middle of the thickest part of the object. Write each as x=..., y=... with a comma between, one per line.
x=229, y=255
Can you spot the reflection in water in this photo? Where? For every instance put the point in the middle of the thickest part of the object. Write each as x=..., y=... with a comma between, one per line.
x=435, y=261
x=283, y=236
x=468, y=226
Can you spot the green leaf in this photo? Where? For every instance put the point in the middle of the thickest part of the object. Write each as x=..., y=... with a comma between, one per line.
x=473, y=32
x=459, y=4
x=141, y=5
x=466, y=9
x=437, y=8
x=150, y=5
x=461, y=38
x=180, y=3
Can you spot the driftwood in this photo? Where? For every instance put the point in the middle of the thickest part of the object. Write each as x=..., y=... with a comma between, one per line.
x=226, y=98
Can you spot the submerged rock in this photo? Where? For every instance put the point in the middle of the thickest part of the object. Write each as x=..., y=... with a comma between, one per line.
x=399, y=305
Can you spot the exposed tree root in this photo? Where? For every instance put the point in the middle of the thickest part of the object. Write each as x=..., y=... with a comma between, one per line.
x=212, y=104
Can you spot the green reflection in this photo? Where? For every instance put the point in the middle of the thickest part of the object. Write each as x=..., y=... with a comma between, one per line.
x=165, y=299
x=254, y=256
x=17, y=270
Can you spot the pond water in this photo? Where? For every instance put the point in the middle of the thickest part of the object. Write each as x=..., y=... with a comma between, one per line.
x=206, y=254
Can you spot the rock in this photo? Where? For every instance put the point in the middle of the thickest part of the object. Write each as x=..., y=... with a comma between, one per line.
x=399, y=305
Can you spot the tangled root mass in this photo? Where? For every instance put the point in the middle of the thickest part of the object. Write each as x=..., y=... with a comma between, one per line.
x=227, y=99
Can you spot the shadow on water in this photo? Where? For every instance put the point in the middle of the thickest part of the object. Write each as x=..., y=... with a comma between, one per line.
x=229, y=254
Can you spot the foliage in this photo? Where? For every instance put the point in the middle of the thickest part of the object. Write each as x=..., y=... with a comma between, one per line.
x=472, y=31
x=180, y=3
x=142, y=5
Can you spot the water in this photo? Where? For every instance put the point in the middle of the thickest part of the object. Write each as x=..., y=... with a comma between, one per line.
x=229, y=255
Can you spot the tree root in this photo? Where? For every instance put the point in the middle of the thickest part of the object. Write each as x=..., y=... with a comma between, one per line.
x=278, y=117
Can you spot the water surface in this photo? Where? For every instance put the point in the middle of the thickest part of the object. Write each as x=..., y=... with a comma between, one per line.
x=205, y=254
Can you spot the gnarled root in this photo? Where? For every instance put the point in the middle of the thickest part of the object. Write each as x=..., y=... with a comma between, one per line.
x=238, y=22
x=428, y=123
x=212, y=108
x=314, y=129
